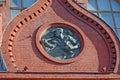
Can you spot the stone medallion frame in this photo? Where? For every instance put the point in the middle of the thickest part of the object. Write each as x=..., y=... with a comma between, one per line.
x=45, y=27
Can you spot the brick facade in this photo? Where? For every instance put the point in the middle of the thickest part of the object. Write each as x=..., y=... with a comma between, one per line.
x=118, y=1
x=26, y=59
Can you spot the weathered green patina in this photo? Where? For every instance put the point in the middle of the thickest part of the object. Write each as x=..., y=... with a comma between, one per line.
x=61, y=43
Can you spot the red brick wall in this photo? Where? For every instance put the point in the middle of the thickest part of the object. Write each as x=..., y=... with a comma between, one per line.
x=6, y=13
x=4, y=16
x=100, y=52
x=118, y=1
x=1, y=25
x=82, y=3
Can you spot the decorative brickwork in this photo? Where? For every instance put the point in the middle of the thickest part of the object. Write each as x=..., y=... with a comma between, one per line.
x=98, y=28
x=18, y=27
x=100, y=52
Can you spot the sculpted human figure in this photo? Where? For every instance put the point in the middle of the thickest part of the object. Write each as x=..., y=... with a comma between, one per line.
x=60, y=43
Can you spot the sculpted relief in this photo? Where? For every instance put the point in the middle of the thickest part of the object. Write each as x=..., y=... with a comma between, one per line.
x=61, y=43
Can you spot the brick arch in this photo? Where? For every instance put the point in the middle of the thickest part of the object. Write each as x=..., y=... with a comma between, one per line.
x=18, y=25
x=32, y=15
x=95, y=23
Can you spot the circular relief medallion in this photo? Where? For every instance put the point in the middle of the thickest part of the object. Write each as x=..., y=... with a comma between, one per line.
x=59, y=43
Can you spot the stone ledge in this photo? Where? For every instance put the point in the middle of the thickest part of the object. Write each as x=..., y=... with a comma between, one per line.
x=57, y=76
